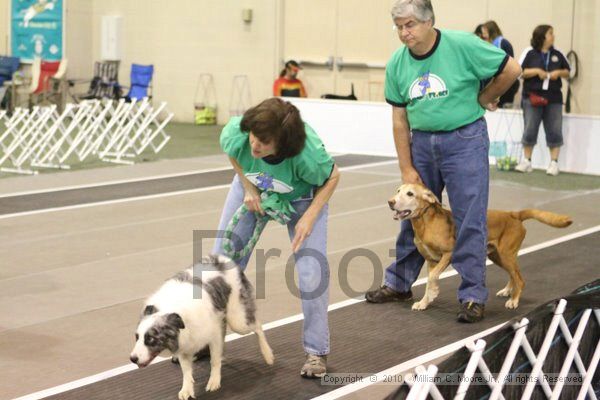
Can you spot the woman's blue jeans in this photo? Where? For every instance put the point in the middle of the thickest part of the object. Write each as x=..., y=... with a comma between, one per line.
x=311, y=264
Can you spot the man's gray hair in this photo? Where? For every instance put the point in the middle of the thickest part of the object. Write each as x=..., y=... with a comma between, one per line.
x=422, y=10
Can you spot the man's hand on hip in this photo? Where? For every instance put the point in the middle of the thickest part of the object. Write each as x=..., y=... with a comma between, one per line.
x=489, y=105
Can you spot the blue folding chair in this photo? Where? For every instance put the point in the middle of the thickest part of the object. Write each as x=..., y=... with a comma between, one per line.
x=141, y=79
x=8, y=66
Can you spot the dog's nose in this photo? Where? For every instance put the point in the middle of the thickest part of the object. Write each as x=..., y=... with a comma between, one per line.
x=391, y=203
x=134, y=359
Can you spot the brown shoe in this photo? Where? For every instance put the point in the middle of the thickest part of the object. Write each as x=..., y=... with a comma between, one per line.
x=384, y=294
x=314, y=366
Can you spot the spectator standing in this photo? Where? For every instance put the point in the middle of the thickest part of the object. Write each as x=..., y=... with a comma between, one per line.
x=543, y=67
x=492, y=31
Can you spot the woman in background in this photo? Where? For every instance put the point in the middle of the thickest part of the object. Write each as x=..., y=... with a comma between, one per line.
x=543, y=67
x=288, y=84
x=479, y=32
x=492, y=32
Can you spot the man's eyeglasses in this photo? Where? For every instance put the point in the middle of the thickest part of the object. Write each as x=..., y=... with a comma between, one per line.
x=409, y=26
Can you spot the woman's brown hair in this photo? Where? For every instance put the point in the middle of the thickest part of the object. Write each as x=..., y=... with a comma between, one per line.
x=493, y=29
x=539, y=36
x=275, y=120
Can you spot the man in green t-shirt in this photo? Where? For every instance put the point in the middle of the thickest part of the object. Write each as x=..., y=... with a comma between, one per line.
x=432, y=83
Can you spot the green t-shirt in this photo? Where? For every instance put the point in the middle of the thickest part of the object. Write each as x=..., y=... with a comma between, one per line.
x=291, y=177
x=440, y=89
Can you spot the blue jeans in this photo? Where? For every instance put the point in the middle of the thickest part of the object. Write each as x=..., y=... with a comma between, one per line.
x=457, y=160
x=311, y=264
x=551, y=115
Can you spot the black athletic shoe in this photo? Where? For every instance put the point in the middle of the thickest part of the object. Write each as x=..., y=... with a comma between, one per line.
x=470, y=312
x=384, y=295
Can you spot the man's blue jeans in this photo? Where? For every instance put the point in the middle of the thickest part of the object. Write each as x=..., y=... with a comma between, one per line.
x=458, y=161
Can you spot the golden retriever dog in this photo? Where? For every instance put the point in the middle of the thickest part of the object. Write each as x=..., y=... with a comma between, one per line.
x=435, y=236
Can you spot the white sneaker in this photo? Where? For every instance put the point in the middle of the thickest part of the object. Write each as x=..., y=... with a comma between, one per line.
x=524, y=166
x=552, y=168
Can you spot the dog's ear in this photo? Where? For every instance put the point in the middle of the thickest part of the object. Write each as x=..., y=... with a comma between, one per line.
x=175, y=320
x=428, y=196
x=149, y=310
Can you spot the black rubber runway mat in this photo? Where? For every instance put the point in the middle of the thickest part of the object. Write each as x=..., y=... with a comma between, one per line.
x=365, y=338
x=63, y=198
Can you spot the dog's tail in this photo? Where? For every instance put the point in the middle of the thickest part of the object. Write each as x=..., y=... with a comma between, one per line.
x=545, y=217
x=265, y=349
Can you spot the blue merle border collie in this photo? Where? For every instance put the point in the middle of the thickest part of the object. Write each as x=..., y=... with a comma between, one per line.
x=192, y=310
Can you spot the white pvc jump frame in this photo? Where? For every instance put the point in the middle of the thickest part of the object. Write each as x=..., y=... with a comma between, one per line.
x=136, y=134
x=422, y=381
x=114, y=131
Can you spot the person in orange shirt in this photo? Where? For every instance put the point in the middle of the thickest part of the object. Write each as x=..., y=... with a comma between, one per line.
x=288, y=85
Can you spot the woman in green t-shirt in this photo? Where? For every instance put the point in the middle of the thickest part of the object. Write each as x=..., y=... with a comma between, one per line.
x=273, y=151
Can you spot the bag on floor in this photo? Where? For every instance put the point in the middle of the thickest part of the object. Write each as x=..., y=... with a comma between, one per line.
x=205, y=115
x=351, y=96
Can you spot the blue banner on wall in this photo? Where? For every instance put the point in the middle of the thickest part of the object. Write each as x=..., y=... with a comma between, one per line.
x=37, y=29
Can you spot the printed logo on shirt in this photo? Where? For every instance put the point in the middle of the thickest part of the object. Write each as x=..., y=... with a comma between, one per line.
x=266, y=182
x=428, y=87
x=554, y=58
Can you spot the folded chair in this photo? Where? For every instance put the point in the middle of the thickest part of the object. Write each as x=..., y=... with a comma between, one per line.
x=104, y=84
x=141, y=82
x=8, y=66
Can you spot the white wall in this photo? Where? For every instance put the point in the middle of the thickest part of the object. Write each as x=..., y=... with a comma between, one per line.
x=184, y=38
x=79, y=36
x=4, y=26
x=366, y=128
x=361, y=31
x=350, y=126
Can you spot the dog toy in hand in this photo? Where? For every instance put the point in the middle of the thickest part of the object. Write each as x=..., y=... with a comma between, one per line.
x=275, y=208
